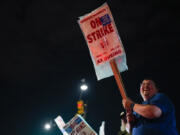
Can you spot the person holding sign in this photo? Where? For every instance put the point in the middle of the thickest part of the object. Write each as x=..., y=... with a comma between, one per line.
x=156, y=114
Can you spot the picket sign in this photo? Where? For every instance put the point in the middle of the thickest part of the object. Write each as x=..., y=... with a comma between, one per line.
x=104, y=43
x=60, y=123
x=78, y=126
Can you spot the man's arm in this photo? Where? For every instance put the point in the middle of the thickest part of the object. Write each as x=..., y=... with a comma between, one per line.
x=147, y=111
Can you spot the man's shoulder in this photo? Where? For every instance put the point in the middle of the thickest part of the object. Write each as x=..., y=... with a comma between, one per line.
x=162, y=98
x=161, y=95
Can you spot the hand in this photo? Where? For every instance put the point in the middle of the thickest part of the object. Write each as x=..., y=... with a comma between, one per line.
x=130, y=116
x=127, y=104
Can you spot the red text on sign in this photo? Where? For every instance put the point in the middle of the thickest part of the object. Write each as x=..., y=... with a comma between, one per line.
x=95, y=23
x=100, y=33
x=81, y=126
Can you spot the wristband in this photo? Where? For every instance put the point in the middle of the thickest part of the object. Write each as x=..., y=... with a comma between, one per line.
x=132, y=105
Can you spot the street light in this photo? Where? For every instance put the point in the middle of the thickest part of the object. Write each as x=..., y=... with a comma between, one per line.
x=47, y=126
x=83, y=87
x=82, y=108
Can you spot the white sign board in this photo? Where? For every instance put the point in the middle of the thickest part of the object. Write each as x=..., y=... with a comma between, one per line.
x=60, y=123
x=78, y=126
x=103, y=41
x=101, y=35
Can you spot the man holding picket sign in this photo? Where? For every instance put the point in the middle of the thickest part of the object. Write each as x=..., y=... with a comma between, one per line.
x=105, y=47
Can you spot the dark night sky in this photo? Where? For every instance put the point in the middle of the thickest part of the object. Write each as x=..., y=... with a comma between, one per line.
x=44, y=57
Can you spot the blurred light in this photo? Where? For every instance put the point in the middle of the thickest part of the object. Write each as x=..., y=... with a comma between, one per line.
x=84, y=87
x=80, y=107
x=47, y=126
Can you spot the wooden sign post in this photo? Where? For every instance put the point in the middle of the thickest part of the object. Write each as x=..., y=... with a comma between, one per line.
x=117, y=76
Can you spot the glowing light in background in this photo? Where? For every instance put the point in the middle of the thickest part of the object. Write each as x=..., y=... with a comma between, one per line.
x=47, y=126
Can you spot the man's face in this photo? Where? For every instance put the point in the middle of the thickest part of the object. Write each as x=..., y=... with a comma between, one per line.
x=147, y=89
